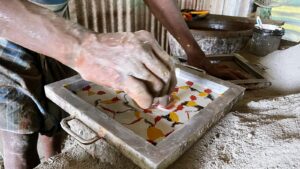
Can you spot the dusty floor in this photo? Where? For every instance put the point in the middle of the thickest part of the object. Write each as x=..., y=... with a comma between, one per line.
x=263, y=131
x=257, y=134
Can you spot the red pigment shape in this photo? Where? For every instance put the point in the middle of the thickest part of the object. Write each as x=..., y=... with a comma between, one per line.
x=135, y=121
x=88, y=87
x=157, y=118
x=101, y=92
x=208, y=91
x=179, y=107
x=147, y=111
x=189, y=83
x=176, y=89
x=115, y=99
x=193, y=97
x=169, y=133
x=152, y=142
x=170, y=106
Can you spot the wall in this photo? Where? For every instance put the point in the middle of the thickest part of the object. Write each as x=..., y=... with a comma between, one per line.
x=291, y=16
x=132, y=15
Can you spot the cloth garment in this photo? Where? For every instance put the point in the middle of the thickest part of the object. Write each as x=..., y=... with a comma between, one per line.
x=24, y=108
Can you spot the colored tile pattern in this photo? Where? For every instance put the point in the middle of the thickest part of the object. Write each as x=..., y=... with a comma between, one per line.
x=154, y=124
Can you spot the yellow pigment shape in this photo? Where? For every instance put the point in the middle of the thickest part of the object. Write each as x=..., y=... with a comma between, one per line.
x=175, y=97
x=118, y=91
x=203, y=94
x=137, y=114
x=184, y=87
x=154, y=133
x=191, y=104
x=174, y=117
x=90, y=93
x=108, y=102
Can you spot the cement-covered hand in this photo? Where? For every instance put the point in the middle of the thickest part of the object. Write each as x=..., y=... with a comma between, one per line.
x=132, y=62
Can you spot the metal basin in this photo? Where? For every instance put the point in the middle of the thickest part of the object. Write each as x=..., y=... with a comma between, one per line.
x=217, y=34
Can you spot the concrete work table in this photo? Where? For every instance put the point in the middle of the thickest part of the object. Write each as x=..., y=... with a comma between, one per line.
x=262, y=131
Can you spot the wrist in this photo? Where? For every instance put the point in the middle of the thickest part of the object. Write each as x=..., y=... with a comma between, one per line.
x=74, y=45
x=197, y=58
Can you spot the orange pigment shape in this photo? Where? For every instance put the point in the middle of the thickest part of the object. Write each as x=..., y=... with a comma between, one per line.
x=154, y=133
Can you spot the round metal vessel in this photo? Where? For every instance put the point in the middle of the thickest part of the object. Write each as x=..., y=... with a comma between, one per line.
x=217, y=34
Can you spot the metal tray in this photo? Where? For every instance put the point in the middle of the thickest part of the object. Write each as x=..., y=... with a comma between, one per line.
x=136, y=148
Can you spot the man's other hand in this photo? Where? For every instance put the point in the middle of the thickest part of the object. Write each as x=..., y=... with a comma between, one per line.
x=222, y=71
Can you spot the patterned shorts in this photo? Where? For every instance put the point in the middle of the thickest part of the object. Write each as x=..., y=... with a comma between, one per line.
x=24, y=108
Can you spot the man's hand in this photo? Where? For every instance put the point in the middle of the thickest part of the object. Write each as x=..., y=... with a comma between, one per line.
x=225, y=72
x=218, y=70
x=169, y=15
x=132, y=62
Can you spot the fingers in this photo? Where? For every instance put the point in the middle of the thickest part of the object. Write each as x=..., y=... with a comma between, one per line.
x=228, y=75
x=161, y=71
x=156, y=66
x=167, y=59
x=158, y=61
x=173, y=82
x=235, y=74
x=137, y=90
x=240, y=75
x=153, y=83
x=146, y=37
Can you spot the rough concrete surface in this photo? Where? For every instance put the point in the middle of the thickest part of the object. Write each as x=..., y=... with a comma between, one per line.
x=263, y=131
x=258, y=134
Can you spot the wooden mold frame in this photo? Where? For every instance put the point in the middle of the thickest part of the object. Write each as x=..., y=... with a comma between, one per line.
x=256, y=80
x=136, y=148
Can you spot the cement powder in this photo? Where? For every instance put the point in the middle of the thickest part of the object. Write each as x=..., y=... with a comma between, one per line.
x=257, y=134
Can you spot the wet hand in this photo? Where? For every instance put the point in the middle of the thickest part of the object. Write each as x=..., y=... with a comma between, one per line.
x=132, y=62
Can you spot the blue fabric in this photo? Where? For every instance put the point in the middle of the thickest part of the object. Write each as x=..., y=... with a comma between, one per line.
x=50, y=2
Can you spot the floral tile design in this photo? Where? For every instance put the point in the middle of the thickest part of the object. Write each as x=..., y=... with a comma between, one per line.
x=155, y=124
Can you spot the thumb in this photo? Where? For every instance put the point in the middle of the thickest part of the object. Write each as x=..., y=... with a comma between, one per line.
x=137, y=90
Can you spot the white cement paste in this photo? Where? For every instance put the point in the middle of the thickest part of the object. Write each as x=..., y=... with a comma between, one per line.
x=190, y=95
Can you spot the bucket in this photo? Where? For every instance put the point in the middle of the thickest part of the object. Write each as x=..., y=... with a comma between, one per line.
x=266, y=39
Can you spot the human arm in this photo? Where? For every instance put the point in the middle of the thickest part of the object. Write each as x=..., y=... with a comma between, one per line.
x=169, y=15
x=132, y=62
